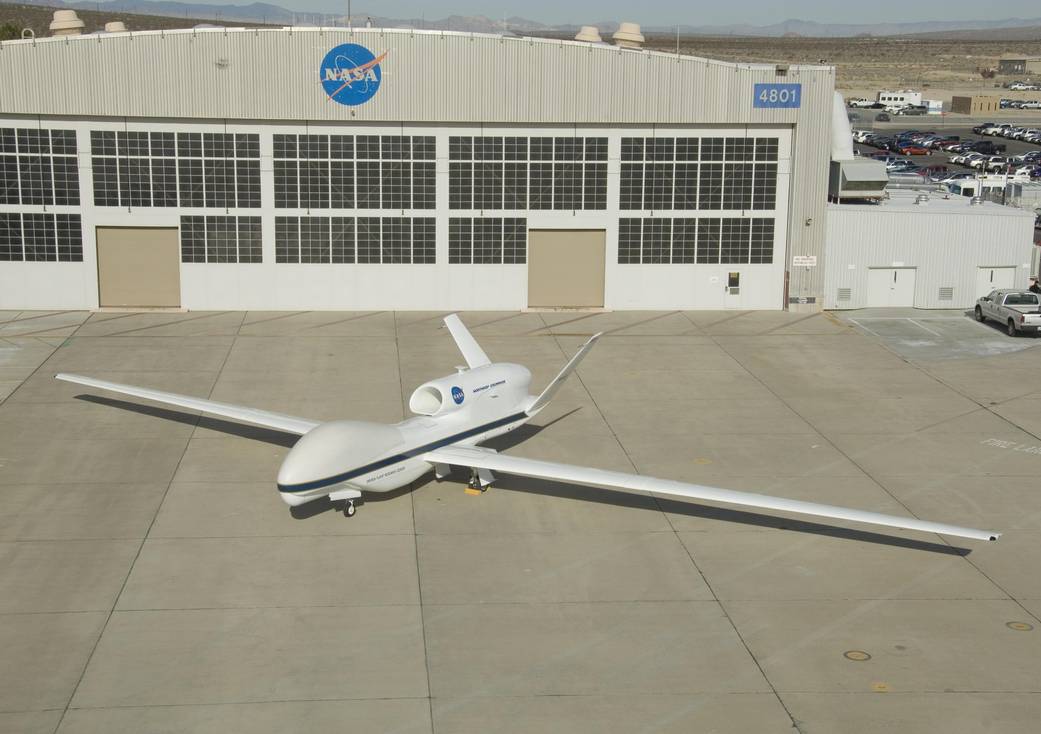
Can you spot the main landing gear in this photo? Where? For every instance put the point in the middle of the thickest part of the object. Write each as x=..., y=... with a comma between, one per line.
x=349, y=509
x=480, y=480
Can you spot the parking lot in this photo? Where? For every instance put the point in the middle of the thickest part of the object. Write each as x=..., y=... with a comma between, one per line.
x=152, y=579
x=940, y=126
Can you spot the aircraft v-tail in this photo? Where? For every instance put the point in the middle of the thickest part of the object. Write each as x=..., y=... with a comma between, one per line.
x=341, y=459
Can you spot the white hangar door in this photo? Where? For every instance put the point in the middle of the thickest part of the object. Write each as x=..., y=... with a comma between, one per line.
x=987, y=279
x=890, y=287
x=139, y=267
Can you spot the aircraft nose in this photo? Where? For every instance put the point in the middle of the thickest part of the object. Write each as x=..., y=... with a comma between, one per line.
x=291, y=472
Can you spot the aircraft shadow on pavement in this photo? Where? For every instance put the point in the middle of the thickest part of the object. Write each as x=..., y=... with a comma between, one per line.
x=257, y=433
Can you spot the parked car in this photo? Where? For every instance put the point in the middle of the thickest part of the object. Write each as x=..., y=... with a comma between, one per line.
x=984, y=162
x=859, y=102
x=948, y=177
x=1019, y=311
x=1031, y=105
x=882, y=117
x=987, y=147
x=913, y=109
x=1018, y=86
x=912, y=149
x=978, y=129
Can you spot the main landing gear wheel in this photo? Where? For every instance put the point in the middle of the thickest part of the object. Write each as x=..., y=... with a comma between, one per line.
x=349, y=509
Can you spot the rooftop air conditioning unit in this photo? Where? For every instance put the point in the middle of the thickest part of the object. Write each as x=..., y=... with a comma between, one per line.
x=628, y=35
x=66, y=23
x=589, y=34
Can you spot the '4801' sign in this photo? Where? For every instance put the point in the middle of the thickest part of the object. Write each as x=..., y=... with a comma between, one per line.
x=350, y=74
x=777, y=95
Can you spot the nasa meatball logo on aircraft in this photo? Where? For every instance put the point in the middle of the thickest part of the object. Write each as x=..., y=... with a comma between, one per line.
x=342, y=458
x=350, y=74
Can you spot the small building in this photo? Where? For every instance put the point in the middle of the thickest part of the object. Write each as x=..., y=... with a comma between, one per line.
x=975, y=104
x=1016, y=64
x=923, y=251
x=862, y=178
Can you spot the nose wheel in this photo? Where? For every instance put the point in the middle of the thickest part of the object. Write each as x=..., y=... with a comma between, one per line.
x=349, y=495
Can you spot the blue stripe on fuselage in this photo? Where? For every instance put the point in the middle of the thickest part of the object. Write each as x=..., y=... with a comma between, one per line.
x=403, y=456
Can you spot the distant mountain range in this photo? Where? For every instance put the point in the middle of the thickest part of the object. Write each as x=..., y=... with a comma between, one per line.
x=277, y=15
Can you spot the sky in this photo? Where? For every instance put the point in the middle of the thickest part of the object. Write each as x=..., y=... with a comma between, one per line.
x=672, y=12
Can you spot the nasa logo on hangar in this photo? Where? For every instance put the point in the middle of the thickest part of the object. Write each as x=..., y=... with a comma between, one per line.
x=351, y=74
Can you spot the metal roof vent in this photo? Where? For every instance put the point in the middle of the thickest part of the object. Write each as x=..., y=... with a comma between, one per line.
x=589, y=34
x=628, y=36
x=115, y=26
x=66, y=23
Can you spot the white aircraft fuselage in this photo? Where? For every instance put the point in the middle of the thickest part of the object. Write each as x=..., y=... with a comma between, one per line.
x=462, y=409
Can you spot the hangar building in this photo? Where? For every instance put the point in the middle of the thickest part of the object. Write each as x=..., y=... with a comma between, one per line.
x=322, y=168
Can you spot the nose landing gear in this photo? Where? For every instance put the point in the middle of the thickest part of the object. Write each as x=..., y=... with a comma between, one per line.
x=346, y=494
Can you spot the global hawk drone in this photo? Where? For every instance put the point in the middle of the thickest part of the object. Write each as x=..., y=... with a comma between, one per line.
x=342, y=459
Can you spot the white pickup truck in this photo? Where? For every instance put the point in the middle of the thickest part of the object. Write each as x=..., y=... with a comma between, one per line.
x=1019, y=311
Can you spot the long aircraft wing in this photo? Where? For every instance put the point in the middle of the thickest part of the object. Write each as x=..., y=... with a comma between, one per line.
x=278, y=421
x=484, y=459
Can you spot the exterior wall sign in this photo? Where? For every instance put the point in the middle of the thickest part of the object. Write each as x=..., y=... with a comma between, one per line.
x=777, y=95
x=805, y=261
x=351, y=74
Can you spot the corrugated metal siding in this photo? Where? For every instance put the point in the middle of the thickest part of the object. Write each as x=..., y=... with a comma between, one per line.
x=427, y=77
x=945, y=245
x=811, y=153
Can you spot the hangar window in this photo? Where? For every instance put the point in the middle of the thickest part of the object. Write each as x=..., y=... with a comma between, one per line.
x=375, y=240
x=629, y=237
x=41, y=237
x=735, y=173
x=160, y=169
x=487, y=240
x=348, y=172
x=217, y=239
x=706, y=240
x=495, y=173
x=38, y=167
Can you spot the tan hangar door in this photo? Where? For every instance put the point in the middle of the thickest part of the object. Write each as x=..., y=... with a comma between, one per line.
x=139, y=267
x=566, y=268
